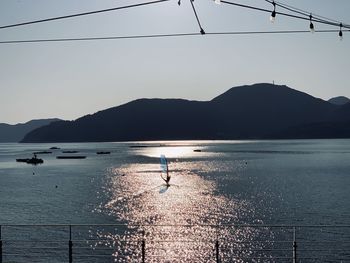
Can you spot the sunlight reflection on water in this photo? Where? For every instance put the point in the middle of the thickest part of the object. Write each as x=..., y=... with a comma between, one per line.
x=180, y=220
x=120, y=200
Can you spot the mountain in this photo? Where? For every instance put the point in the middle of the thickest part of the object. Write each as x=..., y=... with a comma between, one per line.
x=257, y=111
x=260, y=110
x=15, y=133
x=341, y=100
x=144, y=119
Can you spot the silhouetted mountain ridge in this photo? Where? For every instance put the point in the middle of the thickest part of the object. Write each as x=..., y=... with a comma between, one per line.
x=16, y=132
x=256, y=111
x=340, y=100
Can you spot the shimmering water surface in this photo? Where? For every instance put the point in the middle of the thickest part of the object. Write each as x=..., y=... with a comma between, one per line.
x=302, y=182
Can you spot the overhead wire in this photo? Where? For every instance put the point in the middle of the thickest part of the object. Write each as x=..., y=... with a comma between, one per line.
x=316, y=18
x=164, y=36
x=301, y=11
x=195, y=13
x=301, y=14
x=281, y=13
x=82, y=14
x=287, y=8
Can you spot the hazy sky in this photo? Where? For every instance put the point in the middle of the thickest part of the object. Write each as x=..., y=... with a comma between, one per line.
x=71, y=79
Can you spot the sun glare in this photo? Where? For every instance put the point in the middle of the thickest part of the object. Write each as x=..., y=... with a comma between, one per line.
x=172, y=152
x=169, y=151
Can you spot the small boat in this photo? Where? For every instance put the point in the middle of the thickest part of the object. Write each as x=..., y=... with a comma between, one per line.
x=197, y=150
x=71, y=157
x=22, y=160
x=69, y=151
x=103, y=153
x=34, y=160
x=55, y=148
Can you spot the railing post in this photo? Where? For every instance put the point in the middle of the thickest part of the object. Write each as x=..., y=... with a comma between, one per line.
x=217, y=251
x=70, y=244
x=143, y=247
x=294, y=246
x=0, y=245
x=143, y=251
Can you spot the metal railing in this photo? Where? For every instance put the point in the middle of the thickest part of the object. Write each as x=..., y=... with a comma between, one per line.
x=150, y=243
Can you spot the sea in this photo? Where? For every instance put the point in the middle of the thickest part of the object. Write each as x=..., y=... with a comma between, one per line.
x=228, y=201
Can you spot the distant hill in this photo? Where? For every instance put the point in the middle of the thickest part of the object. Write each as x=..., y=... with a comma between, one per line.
x=341, y=100
x=15, y=133
x=258, y=111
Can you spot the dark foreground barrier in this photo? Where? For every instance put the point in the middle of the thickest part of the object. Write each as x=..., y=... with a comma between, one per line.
x=174, y=243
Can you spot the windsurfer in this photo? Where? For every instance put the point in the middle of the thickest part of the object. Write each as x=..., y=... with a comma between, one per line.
x=167, y=179
x=164, y=166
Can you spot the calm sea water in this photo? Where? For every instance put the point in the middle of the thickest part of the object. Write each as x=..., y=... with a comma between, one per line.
x=300, y=182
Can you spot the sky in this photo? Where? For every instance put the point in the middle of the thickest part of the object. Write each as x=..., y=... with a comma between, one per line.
x=70, y=79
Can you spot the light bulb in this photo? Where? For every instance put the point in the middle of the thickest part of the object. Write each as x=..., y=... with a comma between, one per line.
x=341, y=32
x=273, y=16
x=218, y=2
x=312, y=28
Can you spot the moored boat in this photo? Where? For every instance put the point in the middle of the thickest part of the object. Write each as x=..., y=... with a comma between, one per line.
x=34, y=160
x=71, y=157
x=55, y=148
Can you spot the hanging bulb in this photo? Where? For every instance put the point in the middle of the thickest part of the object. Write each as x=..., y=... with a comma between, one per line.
x=312, y=28
x=179, y=2
x=341, y=32
x=218, y=2
x=273, y=14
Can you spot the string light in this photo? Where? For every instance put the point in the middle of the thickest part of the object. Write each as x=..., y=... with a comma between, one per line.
x=300, y=14
x=312, y=28
x=341, y=32
x=273, y=14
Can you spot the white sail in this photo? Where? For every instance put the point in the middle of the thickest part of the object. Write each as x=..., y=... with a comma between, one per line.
x=164, y=169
